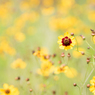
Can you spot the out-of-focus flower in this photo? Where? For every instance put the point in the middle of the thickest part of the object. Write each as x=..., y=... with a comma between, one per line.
x=92, y=82
x=47, y=3
x=42, y=87
x=60, y=69
x=57, y=23
x=30, y=30
x=47, y=11
x=19, y=36
x=64, y=6
x=56, y=78
x=92, y=88
x=93, y=39
x=9, y=90
x=46, y=68
x=66, y=42
x=5, y=47
x=91, y=16
x=18, y=64
x=71, y=73
x=41, y=52
x=78, y=54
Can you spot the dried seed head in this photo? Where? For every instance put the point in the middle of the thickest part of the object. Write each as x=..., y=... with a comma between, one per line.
x=17, y=78
x=74, y=84
x=54, y=92
x=27, y=79
x=82, y=37
x=72, y=34
x=30, y=90
x=88, y=85
x=62, y=55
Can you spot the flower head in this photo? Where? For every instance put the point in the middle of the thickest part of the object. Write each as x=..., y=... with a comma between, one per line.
x=9, y=90
x=92, y=88
x=66, y=42
x=18, y=64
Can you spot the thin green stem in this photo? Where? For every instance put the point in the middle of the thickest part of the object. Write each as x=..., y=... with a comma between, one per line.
x=90, y=45
x=79, y=89
x=86, y=72
x=88, y=76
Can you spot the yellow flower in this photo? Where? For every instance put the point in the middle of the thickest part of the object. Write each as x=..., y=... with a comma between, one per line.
x=60, y=69
x=92, y=88
x=77, y=54
x=19, y=36
x=71, y=73
x=5, y=47
x=46, y=68
x=93, y=39
x=41, y=52
x=66, y=42
x=92, y=81
x=9, y=90
x=18, y=64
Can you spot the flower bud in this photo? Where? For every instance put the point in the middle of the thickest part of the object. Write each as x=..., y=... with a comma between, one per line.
x=60, y=62
x=66, y=93
x=82, y=53
x=69, y=55
x=33, y=52
x=38, y=48
x=72, y=34
x=27, y=79
x=88, y=85
x=17, y=78
x=82, y=37
x=74, y=84
x=62, y=55
x=54, y=92
x=30, y=90
x=54, y=55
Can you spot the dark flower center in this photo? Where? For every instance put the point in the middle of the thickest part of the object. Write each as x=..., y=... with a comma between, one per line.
x=7, y=91
x=66, y=41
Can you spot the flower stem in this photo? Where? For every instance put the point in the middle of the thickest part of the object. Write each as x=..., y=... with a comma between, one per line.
x=90, y=45
x=88, y=76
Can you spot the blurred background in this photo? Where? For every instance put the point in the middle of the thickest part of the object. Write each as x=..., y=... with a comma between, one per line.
x=28, y=24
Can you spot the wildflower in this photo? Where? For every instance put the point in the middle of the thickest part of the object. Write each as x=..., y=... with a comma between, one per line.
x=66, y=42
x=77, y=54
x=46, y=68
x=20, y=37
x=40, y=53
x=71, y=73
x=92, y=88
x=9, y=90
x=18, y=64
x=60, y=69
